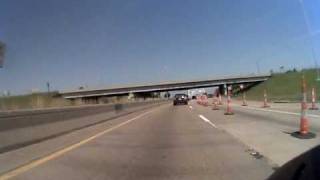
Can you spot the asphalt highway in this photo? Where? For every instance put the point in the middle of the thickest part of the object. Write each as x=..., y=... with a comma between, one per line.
x=163, y=142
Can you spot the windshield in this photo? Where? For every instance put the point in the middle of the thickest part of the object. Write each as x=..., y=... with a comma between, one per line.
x=159, y=89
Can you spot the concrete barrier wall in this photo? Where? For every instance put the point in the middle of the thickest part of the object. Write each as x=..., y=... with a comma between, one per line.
x=23, y=128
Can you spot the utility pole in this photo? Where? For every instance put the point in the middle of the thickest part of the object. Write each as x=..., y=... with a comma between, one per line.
x=48, y=87
x=258, y=66
x=2, y=52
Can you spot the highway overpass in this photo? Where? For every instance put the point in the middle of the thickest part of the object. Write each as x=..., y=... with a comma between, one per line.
x=163, y=87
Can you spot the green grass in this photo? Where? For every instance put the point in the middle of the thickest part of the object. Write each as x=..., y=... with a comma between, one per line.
x=285, y=86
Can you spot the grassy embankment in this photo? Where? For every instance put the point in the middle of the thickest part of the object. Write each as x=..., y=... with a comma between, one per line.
x=285, y=86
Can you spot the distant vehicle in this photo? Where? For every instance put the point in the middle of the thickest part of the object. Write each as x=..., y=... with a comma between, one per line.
x=180, y=99
x=210, y=95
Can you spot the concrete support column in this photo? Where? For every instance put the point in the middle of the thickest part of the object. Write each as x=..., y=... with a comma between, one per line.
x=223, y=89
x=131, y=96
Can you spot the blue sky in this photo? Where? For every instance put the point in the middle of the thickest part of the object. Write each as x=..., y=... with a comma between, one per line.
x=112, y=42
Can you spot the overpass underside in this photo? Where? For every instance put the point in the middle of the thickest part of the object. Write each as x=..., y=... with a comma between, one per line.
x=116, y=97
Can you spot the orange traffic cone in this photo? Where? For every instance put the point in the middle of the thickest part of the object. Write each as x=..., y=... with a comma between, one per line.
x=220, y=100
x=244, y=101
x=198, y=99
x=215, y=104
x=304, y=123
x=205, y=101
x=229, y=110
x=313, y=105
x=265, y=101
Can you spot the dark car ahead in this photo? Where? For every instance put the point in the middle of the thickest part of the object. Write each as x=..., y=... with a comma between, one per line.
x=180, y=99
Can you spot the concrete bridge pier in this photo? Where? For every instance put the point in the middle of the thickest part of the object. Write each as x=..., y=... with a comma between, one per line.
x=223, y=89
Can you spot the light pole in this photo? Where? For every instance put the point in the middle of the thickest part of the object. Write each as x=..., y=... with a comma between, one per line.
x=258, y=66
x=2, y=52
x=307, y=23
x=48, y=87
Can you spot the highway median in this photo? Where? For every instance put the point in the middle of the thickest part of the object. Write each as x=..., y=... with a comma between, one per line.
x=23, y=128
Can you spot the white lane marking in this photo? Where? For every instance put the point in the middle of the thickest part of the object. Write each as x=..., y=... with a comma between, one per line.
x=190, y=107
x=207, y=120
x=277, y=111
x=38, y=162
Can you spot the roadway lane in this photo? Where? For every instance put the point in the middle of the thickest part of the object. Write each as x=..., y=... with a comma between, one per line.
x=267, y=130
x=20, y=129
x=168, y=143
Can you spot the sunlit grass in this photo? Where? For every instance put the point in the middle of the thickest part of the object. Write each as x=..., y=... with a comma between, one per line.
x=285, y=86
